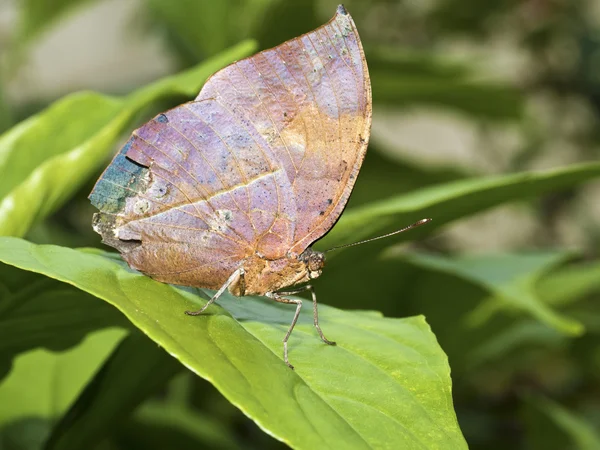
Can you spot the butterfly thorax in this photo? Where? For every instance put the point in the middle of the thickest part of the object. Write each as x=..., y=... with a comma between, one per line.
x=262, y=275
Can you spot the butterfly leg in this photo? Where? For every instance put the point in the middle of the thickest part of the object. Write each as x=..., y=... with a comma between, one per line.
x=238, y=275
x=316, y=316
x=309, y=287
x=279, y=298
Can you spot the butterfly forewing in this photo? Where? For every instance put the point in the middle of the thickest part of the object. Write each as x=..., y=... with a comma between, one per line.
x=310, y=98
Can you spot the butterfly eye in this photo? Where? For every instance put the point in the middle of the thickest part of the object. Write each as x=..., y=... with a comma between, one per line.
x=316, y=262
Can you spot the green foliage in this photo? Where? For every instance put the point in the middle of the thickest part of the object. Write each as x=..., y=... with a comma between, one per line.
x=44, y=384
x=570, y=429
x=404, y=80
x=40, y=312
x=239, y=350
x=511, y=280
x=44, y=167
x=203, y=27
x=96, y=355
x=114, y=392
x=451, y=201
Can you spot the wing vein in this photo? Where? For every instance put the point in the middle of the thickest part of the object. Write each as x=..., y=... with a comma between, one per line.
x=169, y=207
x=309, y=85
x=190, y=201
x=201, y=154
x=278, y=194
x=267, y=159
x=333, y=89
x=191, y=269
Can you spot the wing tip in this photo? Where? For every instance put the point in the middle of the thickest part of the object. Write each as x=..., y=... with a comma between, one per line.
x=341, y=9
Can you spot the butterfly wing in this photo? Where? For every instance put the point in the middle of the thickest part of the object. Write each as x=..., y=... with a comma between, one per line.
x=310, y=99
x=263, y=162
x=192, y=194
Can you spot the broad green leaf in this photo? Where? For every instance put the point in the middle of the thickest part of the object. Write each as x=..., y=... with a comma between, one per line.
x=511, y=280
x=577, y=430
x=404, y=63
x=252, y=14
x=404, y=79
x=514, y=338
x=447, y=202
x=201, y=27
x=35, y=141
x=190, y=414
x=400, y=284
x=284, y=20
x=383, y=177
x=47, y=157
x=385, y=385
x=36, y=311
x=489, y=100
x=157, y=423
x=43, y=384
x=26, y=434
x=136, y=369
x=205, y=27
x=472, y=17
x=569, y=284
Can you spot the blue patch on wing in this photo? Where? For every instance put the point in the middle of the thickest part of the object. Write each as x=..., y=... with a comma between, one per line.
x=122, y=179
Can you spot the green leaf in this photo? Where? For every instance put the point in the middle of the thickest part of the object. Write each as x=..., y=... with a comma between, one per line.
x=382, y=176
x=402, y=79
x=36, y=311
x=511, y=280
x=35, y=141
x=386, y=383
x=205, y=27
x=26, y=434
x=569, y=284
x=200, y=26
x=515, y=338
x=489, y=100
x=447, y=202
x=190, y=414
x=577, y=430
x=405, y=63
x=136, y=369
x=43, y=384
x=280, y=20
x=448, y=291
x=155, y=423
x=47, y=157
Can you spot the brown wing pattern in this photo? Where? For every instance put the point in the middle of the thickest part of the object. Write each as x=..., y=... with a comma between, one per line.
x=310, y=100
x=262, y=162
x=213, y=195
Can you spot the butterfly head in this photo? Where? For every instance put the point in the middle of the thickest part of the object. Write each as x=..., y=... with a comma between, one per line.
x=314, y=261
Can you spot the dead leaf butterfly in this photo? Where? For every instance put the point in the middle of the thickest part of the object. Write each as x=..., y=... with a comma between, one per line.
x=230, y=190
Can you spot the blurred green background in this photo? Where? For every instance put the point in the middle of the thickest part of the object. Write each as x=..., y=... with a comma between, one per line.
x=461, y=89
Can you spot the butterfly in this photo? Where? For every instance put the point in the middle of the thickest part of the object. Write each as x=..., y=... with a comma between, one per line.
x=229, y=191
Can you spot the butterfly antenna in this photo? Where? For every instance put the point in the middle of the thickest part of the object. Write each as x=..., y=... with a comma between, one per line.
x=402, y=230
